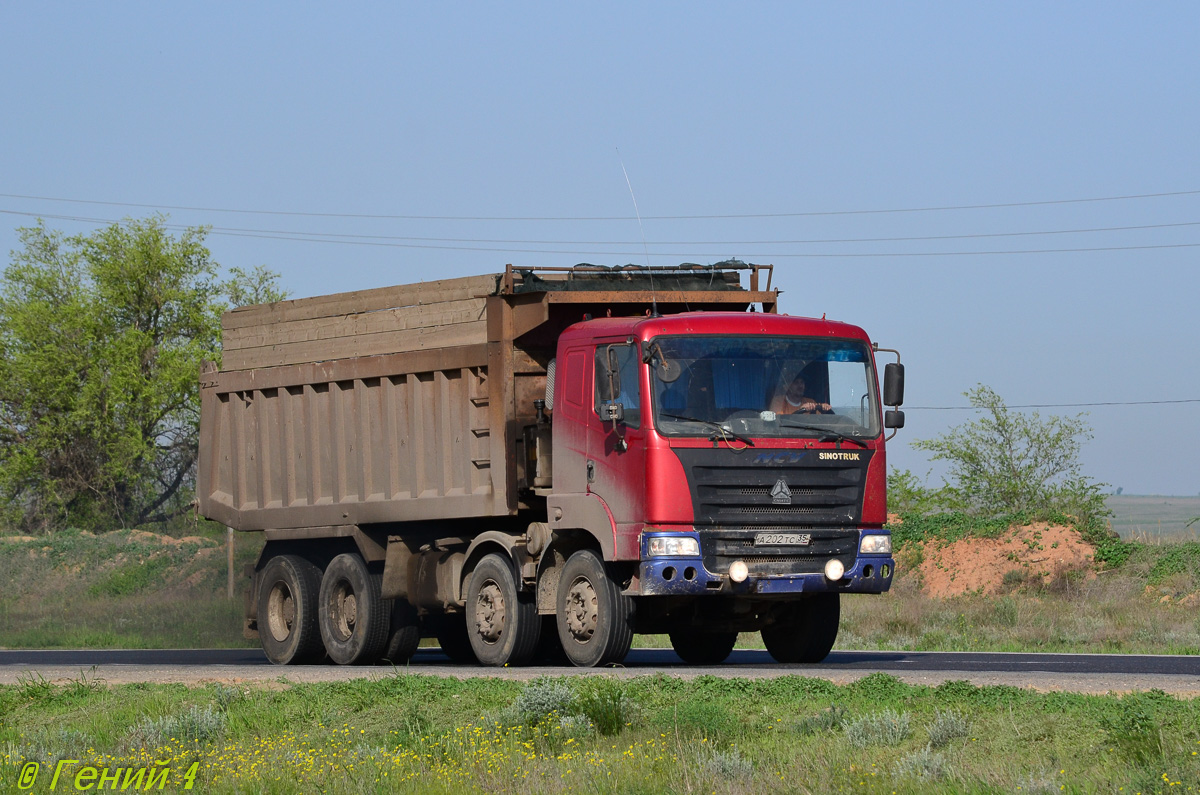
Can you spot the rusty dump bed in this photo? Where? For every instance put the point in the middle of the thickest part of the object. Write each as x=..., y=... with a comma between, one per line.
x=407, y=403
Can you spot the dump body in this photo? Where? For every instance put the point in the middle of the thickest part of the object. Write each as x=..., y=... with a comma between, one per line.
x=403, y=403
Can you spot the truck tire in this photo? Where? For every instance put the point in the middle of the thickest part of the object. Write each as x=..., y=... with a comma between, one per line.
x=702, y=648
x=806, y=630
x=287, y=610
x=502, y=623
x=404, y=635
x=595, y=620
x=354, y=619
x=450, y=629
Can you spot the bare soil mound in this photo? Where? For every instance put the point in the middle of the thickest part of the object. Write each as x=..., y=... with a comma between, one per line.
x=991, y=565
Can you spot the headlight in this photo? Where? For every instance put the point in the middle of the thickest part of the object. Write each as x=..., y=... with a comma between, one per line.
x=875, y=545
x=679, y=546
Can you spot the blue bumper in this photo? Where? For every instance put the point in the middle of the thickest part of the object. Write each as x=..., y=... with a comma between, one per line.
x=687, y=576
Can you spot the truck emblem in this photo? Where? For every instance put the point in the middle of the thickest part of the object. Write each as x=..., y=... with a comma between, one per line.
x=781, y=494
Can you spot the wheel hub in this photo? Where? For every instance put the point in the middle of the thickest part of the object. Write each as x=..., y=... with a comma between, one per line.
x=281, y=612
x=490, y=613
x=582, y=610
x=345, y=610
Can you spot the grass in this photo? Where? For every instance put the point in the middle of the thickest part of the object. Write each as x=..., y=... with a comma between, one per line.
x=123, y=589
x=409, y=733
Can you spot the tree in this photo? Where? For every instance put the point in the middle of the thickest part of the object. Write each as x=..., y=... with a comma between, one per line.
x=1009, y=462
x=101, y=341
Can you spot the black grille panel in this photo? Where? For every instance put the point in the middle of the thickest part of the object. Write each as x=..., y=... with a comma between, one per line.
x=744, y=488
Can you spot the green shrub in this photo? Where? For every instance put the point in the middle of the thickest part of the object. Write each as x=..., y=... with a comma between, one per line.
x=881, y=728
x=132, y=578
x=827, y=720
x=1176, y=559
x=607, y=706
x=542, y=697
x=925, y=764
x=1133, y=727
x=727, y=763
x=947, y=727
x=703, y=718
x=194, y=725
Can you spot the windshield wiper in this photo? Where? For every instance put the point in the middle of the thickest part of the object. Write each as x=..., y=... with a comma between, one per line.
x=721, y=431
x=828, y=434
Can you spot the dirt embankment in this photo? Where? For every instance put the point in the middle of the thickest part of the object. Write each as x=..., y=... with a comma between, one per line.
x=992, y=565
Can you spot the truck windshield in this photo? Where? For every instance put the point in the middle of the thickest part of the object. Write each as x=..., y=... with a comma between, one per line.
x=763, y=386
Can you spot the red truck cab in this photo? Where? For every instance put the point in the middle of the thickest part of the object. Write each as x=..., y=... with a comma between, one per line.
x=737, y=461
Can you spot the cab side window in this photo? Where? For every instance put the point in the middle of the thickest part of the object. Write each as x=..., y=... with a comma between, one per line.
x=619, y=361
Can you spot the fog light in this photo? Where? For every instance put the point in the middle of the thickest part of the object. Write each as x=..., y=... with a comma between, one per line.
x=738, y=571
x=834, y=570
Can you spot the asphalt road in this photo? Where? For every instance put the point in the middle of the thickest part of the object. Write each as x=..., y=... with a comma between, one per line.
x=1094, y=673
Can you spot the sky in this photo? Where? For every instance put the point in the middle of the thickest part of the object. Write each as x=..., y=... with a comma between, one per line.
x=1008, y=193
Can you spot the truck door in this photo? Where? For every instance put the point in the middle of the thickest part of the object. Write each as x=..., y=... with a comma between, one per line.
x=616, y=463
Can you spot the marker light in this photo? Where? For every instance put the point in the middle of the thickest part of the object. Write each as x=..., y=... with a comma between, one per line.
x=834, y=570
x=875, y=545
x=674, y=545
x=738, y=571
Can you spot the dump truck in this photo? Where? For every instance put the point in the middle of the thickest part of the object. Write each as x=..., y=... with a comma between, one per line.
x=543, y=462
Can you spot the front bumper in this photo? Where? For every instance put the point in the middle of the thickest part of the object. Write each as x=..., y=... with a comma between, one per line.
x=688, y=576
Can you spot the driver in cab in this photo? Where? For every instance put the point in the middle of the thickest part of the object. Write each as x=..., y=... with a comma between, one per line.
x=793, y=400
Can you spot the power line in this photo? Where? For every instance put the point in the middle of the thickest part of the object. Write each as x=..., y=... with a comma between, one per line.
x=511, y=241
x=333, y=238
x=807, y=214
x=1059, y=405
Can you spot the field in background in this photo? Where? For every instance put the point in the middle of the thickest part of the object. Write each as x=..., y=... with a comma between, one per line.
x=1154, y=517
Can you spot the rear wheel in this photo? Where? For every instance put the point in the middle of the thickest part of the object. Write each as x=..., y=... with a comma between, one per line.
x=355, y=621
x=702, y=648
x=805, y=631
x=287, y=610
x=502, y=623
x=595, y=620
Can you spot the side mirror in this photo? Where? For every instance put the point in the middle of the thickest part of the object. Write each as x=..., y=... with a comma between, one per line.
x=893, y=419
x=893, y=386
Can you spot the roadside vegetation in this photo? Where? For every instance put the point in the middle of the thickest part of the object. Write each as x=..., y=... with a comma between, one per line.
x=407, y=733
x=122, y=589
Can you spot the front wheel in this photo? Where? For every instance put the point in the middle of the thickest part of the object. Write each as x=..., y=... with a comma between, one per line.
x=595, y=620
x=503, y=625
x=702, y=648
x=804, y=631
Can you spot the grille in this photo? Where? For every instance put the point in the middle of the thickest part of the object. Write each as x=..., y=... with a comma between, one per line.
x=731, y=489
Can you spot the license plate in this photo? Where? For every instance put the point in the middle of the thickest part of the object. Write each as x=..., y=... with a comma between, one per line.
x=781, y=539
